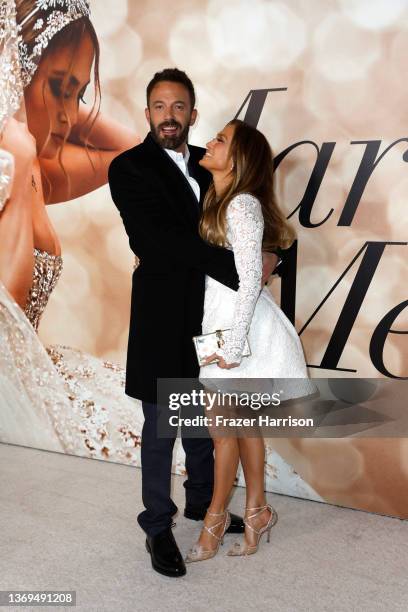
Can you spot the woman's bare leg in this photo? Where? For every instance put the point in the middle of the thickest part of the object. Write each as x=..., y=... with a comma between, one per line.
x=252, y=455
x=226, y=458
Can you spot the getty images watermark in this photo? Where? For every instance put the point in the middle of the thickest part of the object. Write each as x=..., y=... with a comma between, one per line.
x=284, y=407
x=216, y=401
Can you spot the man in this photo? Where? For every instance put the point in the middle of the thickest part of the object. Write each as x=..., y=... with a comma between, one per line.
x=158, y=187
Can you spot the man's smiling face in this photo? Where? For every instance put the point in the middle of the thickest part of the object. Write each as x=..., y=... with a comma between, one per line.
x=170, y=114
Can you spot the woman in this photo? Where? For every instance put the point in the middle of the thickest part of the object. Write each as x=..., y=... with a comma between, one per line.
x=240, y=212
x=67, y=149
x=63, y=152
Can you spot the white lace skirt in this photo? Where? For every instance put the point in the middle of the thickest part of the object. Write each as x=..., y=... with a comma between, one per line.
x=276, y=350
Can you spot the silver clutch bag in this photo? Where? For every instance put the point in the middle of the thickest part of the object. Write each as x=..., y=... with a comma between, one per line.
x=207, y=344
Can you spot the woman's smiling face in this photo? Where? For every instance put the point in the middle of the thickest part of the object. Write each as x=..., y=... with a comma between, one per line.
x=52, y=98
x=218, y=157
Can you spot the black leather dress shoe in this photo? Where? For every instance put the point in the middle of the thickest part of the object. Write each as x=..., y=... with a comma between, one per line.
x=165, y=555
x=198, y=514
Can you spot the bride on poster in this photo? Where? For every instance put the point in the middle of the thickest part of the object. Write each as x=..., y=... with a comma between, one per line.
x=57, y=150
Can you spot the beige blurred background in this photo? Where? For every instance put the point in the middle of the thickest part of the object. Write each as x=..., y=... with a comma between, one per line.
x=343, y=62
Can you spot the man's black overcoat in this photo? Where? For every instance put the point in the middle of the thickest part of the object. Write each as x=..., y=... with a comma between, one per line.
x=161, y=215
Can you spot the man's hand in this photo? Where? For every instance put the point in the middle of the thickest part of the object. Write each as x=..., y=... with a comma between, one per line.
x=221, y=363
x=269, y=263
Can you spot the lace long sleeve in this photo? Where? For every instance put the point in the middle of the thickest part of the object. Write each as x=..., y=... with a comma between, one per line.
x=245, y=227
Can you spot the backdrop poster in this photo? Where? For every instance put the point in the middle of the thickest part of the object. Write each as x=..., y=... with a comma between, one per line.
x=322, y=81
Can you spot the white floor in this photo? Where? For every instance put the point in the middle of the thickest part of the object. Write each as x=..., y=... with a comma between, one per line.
x=70, y=524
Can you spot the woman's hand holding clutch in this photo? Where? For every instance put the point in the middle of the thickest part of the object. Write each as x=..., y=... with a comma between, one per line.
x=217, y=342
x=221, y=362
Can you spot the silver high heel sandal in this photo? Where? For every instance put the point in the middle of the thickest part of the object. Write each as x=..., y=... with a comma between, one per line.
x=242, y=548
x=197, y=552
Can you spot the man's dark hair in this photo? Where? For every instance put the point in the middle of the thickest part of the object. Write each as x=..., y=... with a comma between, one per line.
x=175, y=76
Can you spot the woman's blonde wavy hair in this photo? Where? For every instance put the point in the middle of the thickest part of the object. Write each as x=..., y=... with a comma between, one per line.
x=252, y=173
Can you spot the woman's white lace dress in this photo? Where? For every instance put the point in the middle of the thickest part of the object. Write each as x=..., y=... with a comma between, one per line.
x=276, y=351
x=277, y=361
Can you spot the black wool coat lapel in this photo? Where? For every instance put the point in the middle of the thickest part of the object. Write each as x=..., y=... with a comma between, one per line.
x=178, y=190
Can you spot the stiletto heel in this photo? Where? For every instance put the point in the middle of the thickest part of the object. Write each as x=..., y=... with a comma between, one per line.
x=197, y=552
x=240, y=549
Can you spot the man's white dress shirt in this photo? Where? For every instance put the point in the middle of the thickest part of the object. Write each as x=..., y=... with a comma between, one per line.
x=182, y=162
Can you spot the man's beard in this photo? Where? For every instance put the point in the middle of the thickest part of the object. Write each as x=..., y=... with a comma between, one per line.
x=170, y=142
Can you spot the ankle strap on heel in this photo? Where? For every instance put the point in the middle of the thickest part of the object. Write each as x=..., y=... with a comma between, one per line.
x=260, y=509
x=224, y=523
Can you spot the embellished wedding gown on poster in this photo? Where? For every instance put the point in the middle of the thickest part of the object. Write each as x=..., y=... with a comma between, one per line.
x=60, y=398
